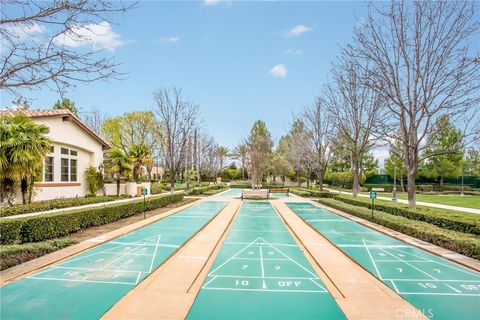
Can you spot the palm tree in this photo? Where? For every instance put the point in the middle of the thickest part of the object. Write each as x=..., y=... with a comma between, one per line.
x=23, y=146
x=141, y=157
x=119, y=164
x=222, y=153
x=240, y=153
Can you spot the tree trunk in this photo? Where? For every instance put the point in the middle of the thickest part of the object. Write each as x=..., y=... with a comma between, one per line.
x=24, y=189
x=355, y=183
x=402, y=188
x=320, y=179
x=441, y=183
x=298, y=178
x=118, y=187
x=30, y=189
x=411, y=188
x=172, y=182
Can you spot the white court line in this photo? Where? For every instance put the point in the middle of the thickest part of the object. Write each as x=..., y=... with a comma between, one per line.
x=232, y=257
x=443, y=294
x=208, y=282
x=147, y=244
x=138, y=277
x=122, y=255
x=393, y=283
x=373, y=246
x=316, y=277
x=154, y=255
x=442, y=264
x=411, y=265
x=258, y=230
x=264, y=259
x=275, y=244
x=373, y=261
x=256, y=216
x=265, y=290
x=93, y=269
x=318, y=285
x=191, y=217
x=456, y=290
x=102, y=251
x=259, y=277
x=431, y=280
x=264, y=286
x=73, y=280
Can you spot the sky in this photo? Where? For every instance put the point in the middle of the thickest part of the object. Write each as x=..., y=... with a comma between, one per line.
x=239, y=61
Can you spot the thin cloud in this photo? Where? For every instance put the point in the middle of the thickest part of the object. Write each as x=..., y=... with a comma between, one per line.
x=297, y=30
x=172, y=39
x=295, y=52
x=279, y=71
x=213, y=3
x=97, y=35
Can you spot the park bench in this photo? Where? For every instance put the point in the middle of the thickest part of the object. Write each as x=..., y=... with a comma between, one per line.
x=378, y=189
x=255, y=194
x=280, y=190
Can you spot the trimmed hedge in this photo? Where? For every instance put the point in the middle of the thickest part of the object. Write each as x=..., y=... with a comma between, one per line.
x=386, y=187
x=462, y=222
x=203, y=190
x=14, y=254
x=50, y=226
x=465, y=244
x=54, y=204
x=312, y=193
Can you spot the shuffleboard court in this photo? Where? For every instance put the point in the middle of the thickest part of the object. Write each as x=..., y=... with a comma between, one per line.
x=232, y=192
x=439, y=288
x=85, y=286
x=261, y=273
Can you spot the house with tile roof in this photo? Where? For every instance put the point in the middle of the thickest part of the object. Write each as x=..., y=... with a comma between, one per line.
x=74, y=148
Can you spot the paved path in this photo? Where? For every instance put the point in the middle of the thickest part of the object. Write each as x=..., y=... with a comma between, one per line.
x=93, y=205
x=420, y=203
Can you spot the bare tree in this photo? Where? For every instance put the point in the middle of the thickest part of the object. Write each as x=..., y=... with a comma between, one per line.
x=207, y=155
x=297, y=148
x=422, y=62
x=178, y=119
x=94, y=118
x=356, y=110
x=40, y=41
x=319, y=123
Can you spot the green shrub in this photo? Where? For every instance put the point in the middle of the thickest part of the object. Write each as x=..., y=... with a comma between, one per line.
x=91, y=180
x=50, y=226
x=54, y=204
x=206, y=189
x=302, y=192
x=241, y=185
x=425, y=187
x=12, y=255
x=156, y=188
x=467, y=223
x=466, y=244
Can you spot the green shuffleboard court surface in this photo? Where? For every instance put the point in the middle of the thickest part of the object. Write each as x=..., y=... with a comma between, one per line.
x=85, y=286
x=232, y=192
x=261, y=273
x=439, y=288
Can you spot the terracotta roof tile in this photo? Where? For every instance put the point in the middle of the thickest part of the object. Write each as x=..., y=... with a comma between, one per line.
x=53, y=113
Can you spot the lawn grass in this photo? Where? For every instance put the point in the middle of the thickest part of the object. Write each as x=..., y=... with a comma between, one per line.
x=451, y=200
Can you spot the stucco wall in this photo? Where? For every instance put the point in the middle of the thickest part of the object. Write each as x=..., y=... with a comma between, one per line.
x=69, y=135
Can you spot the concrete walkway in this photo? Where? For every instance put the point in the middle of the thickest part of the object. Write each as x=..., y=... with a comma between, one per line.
x=93, y=205
x=420, y=203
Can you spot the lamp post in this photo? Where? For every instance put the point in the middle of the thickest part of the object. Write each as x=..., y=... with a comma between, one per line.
x=394, y=193
x=461, y=193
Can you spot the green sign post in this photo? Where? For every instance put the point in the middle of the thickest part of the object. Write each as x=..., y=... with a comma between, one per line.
x=144, y=194
x=373, y=196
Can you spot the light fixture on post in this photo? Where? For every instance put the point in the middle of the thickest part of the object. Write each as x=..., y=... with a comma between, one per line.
x=394, y=191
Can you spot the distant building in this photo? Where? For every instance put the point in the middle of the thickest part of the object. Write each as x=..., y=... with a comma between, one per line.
x=74, y=147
